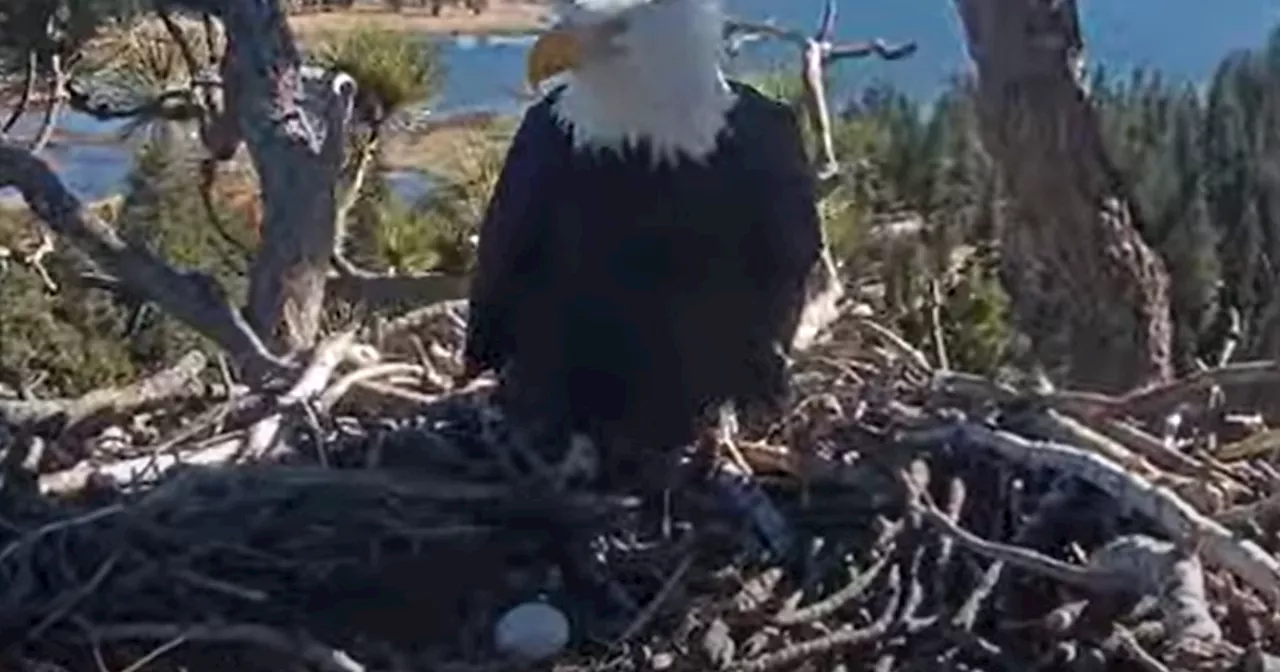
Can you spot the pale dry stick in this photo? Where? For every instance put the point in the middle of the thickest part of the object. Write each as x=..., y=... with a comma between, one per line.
x=161, y=386
x=35, y=261
x=1178, y=519
x=1140, y=453
x=322, y=657
x=1132, y=564
x=887, y=335
x=394, y=392
x=328, y=356
x=727, y=438
x=431, y=373
x=350, y=197
x=58, y=77
x=215, y=585
x=1017, y=556
x=957, y=495
x=1151, y=399
x=266, y=433
x=154, y=654
x=1262, y=444
x=792, y=615
x=1154, y=567
x=935, y=326
x=1154, y=449
x=338, y=389
x=1130, y=646
x=845, y=637
x=127, y=471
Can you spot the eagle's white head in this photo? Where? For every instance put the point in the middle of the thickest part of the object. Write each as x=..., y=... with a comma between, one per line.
x=638, y=70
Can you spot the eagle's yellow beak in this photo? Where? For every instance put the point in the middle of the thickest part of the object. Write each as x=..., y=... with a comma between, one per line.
x=555, y=51
x=570, y=46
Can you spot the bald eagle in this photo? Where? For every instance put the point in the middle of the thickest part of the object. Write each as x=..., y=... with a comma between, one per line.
x=644, y=255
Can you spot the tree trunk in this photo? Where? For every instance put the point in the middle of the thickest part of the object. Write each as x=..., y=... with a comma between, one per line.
x=1087, y=290
x=294, y=121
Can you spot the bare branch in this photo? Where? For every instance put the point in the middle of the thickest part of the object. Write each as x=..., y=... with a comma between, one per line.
x=174, y=105
x=163, y=386
x=351, y=196
x=827, y=24
x=817, y=52
x=875, y=47
x=191, y=297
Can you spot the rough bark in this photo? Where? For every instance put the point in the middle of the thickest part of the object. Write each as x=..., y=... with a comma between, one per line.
x=293, y=120
x=1091, y=295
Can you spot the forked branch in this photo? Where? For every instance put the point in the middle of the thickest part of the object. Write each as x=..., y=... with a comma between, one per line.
x=818, y=51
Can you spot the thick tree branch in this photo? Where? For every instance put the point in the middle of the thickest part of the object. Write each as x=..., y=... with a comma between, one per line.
x=161, y=387
x=380, y=291
x=174, y=105
x=191, y=297
x=294, y=121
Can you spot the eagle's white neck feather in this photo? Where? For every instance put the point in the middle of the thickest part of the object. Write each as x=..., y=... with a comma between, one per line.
x=665, y=87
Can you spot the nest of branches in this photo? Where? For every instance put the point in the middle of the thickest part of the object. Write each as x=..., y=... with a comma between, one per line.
x=897, y=517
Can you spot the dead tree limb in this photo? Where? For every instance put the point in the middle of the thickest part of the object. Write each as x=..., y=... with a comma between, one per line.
x=191, y=297
x=1093, y=297
x=161, y=387
x=380, y=291
x=817, y=52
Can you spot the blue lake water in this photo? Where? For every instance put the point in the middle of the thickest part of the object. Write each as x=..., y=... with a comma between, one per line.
x=1185, y=38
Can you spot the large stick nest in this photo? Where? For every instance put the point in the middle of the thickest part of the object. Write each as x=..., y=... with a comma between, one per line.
x=935, y=521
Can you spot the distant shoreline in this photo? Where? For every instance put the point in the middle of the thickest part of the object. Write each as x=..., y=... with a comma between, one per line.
x=502, y=17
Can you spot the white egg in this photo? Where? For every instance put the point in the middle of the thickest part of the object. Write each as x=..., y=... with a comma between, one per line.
x=531, y=631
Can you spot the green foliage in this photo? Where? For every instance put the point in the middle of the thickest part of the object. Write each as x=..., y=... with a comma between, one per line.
x=437, y=233
x=392, y=69
x=1154, y=132
x=917, y=201
x=54, y=338
x=163, y=211
x=914, y=219
x=84, y=338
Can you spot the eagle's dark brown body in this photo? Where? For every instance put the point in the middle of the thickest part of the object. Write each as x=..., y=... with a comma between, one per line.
x=623, y=298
